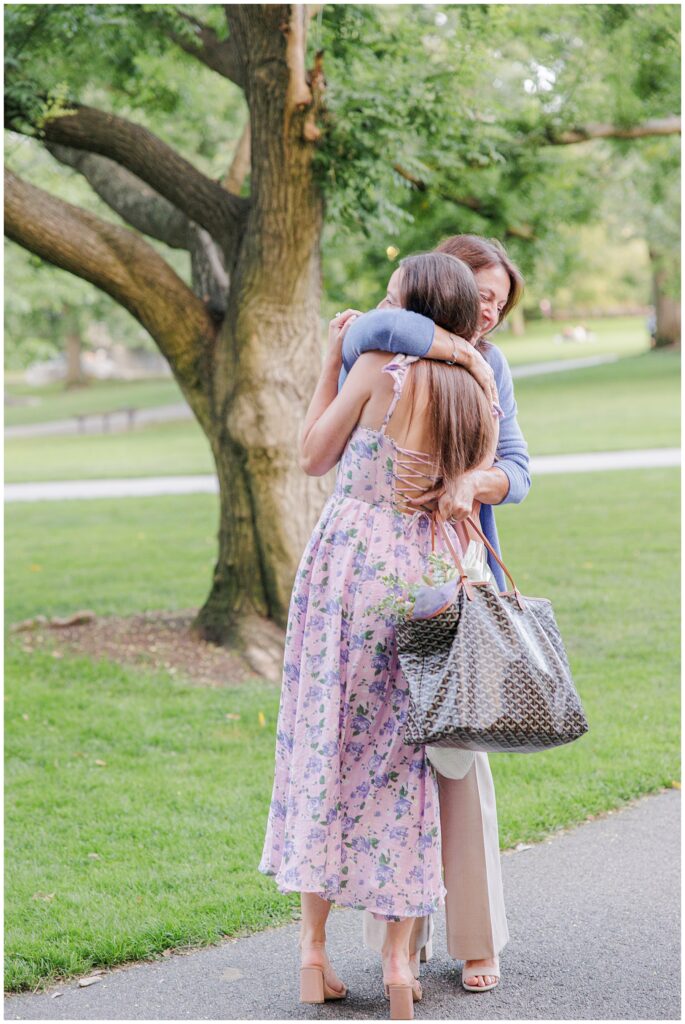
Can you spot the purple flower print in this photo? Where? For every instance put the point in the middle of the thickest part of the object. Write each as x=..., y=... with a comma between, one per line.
x=291, y=672
x=384, y=873
x=398, y=832
x=402, y=806
x=354, y=814
x=355, y=748
x=416, y=873
x=285, y=740
x=317, y=835
x=362, y=449
x=278, y=810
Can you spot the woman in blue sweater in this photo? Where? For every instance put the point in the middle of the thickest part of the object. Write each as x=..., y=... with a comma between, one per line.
x=474, y=906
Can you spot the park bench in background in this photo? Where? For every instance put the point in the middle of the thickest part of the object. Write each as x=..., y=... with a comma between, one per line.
x=129, y=411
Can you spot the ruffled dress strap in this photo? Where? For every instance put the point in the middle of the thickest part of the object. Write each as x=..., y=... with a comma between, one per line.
x=397, y=368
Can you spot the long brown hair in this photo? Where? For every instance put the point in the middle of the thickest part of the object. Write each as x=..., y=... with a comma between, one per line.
x=462, y=425
x=479, y=253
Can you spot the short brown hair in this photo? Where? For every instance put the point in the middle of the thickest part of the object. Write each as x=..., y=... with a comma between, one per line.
x=478, y=253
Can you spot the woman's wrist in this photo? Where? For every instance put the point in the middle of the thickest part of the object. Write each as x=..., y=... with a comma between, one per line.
x=461, y=353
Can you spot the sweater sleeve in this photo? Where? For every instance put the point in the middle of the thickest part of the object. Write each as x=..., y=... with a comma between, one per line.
x=390, y=330
x=512, y=451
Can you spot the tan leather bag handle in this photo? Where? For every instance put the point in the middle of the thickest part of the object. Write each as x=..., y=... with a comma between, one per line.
x=437, y=517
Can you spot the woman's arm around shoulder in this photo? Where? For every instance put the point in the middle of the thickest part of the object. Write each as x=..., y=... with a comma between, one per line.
x=392, y=330
x=512, y=451
x=333, y=415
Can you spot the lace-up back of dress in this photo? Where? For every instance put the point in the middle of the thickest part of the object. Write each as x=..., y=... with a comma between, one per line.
x=415, y=471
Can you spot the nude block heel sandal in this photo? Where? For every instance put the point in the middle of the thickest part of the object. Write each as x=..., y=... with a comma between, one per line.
x=313, y=988
x=402, y=999
x=471, y=973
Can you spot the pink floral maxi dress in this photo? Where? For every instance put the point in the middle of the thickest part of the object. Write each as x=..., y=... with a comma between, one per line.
x=354, y=812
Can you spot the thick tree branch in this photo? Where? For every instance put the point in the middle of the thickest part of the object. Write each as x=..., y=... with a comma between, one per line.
x=150, y=159
x=148, y=212
x=129, y=197
x=655, y=126
x=218, y=54
x=523, y=231
x=124, y=265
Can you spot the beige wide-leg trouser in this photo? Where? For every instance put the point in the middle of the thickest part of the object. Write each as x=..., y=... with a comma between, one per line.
x=474, y=904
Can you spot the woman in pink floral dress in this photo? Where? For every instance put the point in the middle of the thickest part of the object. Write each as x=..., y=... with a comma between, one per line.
x=354, y=817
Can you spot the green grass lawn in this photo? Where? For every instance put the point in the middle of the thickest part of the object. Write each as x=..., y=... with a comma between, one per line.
x=631, y=403
x=166, y=449
x=621, y=335
x=52, y=402
x=176, y=819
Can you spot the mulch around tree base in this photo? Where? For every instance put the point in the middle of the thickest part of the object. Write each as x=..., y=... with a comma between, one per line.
x=155, y=640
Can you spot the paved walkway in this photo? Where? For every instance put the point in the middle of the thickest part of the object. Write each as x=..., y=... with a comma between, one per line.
x=594, y=922
x=559, y=365
x=137, y=487
x=118, y=421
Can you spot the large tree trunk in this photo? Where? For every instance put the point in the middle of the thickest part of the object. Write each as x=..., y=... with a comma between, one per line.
x=666, y=299
x=270, y=347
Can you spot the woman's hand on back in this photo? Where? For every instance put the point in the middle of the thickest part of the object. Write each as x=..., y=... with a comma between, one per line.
x=336, y=332
x=455, y=502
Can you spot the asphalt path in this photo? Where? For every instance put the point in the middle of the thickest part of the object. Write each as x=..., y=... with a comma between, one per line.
x=594, y=921
x=118, y=421
x=137, y=487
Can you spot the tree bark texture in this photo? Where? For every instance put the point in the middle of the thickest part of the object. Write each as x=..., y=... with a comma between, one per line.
x=666, y=300
x=244, y=342
x=269, y=350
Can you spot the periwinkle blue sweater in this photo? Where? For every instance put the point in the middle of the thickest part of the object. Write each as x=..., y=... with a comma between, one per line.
x=399, y=330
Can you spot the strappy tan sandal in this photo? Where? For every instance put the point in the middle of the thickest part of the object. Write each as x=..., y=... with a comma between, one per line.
x=313, y=986
x=402, y=999
x=472, y=971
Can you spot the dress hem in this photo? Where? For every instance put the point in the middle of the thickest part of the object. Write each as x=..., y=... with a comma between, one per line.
x=333, y=896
